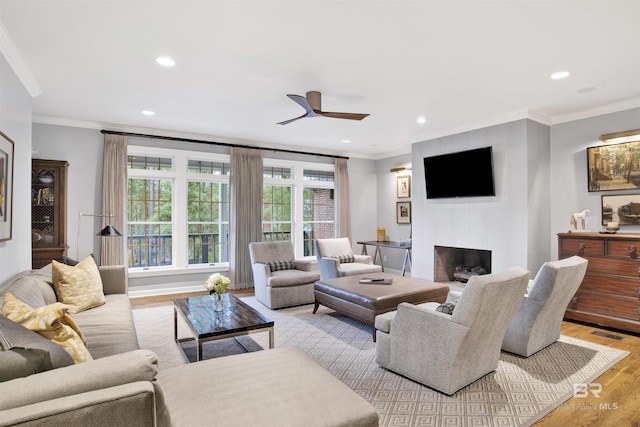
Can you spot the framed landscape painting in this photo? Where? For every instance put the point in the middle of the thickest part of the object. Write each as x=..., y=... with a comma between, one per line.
x=614, y=167
x=6, y=187
x=623, y=209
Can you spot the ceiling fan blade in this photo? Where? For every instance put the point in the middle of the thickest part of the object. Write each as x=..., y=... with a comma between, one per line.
x=348, y=116
x=286, y=122
x=301, y=101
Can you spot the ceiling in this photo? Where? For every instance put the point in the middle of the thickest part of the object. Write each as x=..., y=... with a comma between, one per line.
x=458, y=63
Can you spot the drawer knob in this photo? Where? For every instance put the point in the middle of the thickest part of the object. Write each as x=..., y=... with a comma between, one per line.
x=574, y=303
x=581, y=248
x=633, y=252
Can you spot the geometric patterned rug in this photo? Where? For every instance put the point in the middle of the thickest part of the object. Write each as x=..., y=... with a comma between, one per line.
x=519, y=393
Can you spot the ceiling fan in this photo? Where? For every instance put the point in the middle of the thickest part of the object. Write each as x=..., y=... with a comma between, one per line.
x=312, y=105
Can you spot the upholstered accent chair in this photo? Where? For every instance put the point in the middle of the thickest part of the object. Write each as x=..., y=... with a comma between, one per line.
x=450, y=351
x=336, y=259
x=537, y=322
x=279, y=279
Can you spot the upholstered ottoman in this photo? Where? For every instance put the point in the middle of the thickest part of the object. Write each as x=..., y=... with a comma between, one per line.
x=365, y=301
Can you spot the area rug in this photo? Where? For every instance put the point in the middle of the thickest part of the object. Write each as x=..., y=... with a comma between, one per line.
x=519, y=393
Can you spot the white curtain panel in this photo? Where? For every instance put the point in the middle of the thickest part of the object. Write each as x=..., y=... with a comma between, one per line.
x=114, y=197
x=246, y=213
x=343, y=211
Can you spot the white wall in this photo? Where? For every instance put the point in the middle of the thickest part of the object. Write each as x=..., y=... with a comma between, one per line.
x=82, y=148
x=386, y=207
x=509, y=223
x=569, y=194
x=15, y=122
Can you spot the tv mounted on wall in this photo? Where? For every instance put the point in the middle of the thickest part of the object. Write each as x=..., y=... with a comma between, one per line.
x=461, y=174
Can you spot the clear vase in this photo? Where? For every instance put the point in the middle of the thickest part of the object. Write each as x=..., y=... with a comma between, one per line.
x=217, y=301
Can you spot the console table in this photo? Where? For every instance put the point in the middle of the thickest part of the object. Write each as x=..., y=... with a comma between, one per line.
x=610, y=291
x=393, y=245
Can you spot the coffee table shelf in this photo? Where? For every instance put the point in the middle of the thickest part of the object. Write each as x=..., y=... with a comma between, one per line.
x=205, y=324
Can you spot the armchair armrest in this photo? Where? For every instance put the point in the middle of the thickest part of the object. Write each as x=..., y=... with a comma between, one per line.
x=114, y=279
x=328, y=267
x=302, y=264
x=260, y=273
x=363, y=259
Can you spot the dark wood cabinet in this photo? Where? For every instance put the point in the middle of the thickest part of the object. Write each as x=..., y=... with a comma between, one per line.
x=48, y=211
x=610, y=292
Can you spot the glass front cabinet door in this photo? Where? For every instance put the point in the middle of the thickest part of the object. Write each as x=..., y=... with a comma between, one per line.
x=48, y=211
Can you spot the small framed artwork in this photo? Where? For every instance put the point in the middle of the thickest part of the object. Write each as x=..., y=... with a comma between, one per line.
x=403, y=184
x=403, y=212
x=623, y=209
x=614, y=166
x=6, y=187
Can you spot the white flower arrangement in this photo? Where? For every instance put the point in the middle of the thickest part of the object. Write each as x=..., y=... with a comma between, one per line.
x=217, y=283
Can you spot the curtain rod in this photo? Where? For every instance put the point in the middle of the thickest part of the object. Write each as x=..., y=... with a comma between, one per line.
x=225, y=144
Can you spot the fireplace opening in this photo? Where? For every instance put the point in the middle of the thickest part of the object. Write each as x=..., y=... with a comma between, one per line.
x=459, y=264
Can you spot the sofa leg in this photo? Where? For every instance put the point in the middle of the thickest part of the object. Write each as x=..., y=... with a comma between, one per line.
x=315, y=307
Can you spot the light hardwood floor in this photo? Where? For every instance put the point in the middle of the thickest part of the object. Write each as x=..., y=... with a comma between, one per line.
x=618, y=403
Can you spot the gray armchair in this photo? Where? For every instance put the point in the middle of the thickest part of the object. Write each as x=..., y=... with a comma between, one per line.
x=278, y=278
x=537, y=322
x=336, y=259
x=450, y=351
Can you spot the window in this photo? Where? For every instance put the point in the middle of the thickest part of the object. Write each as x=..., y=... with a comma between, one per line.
x=149, y=210
x=297, y=204
x=276, y=204
x=178, y=208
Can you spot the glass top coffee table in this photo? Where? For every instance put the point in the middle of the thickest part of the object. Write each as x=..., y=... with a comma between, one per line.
x=205, y=324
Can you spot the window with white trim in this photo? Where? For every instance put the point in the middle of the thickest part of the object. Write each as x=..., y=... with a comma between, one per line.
x=178, y=209
x=298, y=203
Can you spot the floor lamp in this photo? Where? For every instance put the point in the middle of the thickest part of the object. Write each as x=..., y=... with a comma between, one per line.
x=108, y=231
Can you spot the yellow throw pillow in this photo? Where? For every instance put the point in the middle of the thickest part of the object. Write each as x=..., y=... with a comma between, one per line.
x=78, y=286
x=50, y=321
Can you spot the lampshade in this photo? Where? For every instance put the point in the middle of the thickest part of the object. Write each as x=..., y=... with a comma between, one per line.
x=109, y=231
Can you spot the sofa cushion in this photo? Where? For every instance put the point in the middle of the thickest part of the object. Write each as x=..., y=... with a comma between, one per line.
x=50, y=321
x=78, y=286
x=32, y=287
x=24, y=352
x=109, y=329
x=346, y=258
x=280, y=265
x=285, y=278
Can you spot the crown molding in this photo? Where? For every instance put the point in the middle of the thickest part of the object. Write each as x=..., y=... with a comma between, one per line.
x=17, y=63
x=597, y=111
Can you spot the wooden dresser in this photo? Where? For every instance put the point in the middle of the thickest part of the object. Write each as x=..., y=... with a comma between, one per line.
x=610, y=292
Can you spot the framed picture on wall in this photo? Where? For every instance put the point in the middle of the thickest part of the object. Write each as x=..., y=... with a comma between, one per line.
x=623, y=209
x=6, y=187
x=403, y=184
x=403, y=212
x=614, y=166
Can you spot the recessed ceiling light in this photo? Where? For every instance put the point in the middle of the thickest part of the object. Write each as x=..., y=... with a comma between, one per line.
x=560, y=75
x=591, y=88
x=421, y=120
x=346, y=141
x=147, y=112
x=165, y=61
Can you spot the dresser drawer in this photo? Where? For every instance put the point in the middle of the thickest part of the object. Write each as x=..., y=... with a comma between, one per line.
x=580, y=246
x=615, y=266
x=622, y=286
x=606, y=305
x=623, y=248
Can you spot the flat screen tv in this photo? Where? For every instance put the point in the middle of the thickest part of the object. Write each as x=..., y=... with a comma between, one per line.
x=461, y=174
